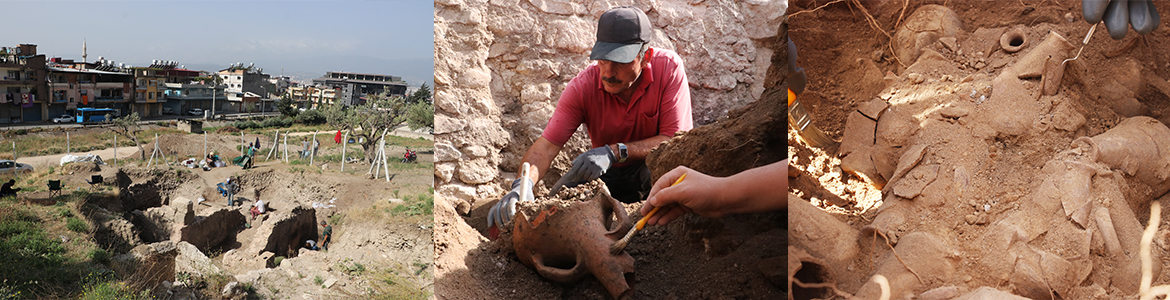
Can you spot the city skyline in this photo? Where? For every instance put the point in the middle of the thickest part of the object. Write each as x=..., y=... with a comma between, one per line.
x=306, y=39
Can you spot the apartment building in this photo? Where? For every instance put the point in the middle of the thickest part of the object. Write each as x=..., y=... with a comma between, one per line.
x=247, y=89
x=150, y=86
x=100, y=85
x=352, y=88
x=23, y=88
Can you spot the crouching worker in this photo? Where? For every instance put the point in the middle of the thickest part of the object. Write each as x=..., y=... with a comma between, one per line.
x=258, y=209
x=311, y=245
x=7, y=190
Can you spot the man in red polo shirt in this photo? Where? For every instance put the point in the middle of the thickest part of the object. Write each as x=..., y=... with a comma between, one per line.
x=631, y=99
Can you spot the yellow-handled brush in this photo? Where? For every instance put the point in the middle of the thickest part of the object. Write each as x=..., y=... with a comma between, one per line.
x=621, y=244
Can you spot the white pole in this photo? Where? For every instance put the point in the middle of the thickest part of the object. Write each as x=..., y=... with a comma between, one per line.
x=275, y=138
x=285, y=147
x=160, y=152
x=115, y=150
x=15, y=170
x=242, y=152
x=344, y=145
x=384, y=158
x=67, y=150
x=377, y=160
x=204, y=144
x=313, y=153
x=152, y=153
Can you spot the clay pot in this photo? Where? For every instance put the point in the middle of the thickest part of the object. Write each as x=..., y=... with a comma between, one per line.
x=1013, y=40
x=564, y=245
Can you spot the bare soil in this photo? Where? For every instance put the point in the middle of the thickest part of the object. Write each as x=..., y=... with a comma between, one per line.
x=734, y=257
x=850, y=64
x=392, y=246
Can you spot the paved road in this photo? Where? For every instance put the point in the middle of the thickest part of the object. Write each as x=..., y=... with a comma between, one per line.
x=50, y=124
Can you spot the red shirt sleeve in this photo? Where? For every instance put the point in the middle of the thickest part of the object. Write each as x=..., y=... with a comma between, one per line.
x=569, y=113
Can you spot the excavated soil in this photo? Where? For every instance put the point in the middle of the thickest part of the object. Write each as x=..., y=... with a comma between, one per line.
x=990, y=154
x=139, y=206
x=734, y=257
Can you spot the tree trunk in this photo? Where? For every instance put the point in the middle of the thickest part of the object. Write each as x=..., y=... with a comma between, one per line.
x=139, y=145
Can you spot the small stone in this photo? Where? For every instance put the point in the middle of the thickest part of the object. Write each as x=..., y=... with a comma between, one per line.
x=967, y=278
x=915, y=78
x=981, y=220
x=949, y=42
x=971, y=219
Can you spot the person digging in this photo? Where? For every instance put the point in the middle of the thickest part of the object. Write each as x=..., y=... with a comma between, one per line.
x=631, y=98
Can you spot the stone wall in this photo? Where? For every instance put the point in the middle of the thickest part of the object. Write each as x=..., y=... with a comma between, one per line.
x=500, y=66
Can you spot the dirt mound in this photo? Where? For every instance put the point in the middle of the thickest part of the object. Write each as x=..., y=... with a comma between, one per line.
x=976, y=163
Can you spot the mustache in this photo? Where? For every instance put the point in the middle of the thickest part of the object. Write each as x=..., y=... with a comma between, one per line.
x=611, y=80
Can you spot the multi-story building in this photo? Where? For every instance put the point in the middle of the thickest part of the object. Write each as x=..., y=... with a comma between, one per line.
x=246, y=88
x=100, y=85
x=182, y=97
x=149, y=85
x=23, y=88
x=313, y=97
x=353, y=88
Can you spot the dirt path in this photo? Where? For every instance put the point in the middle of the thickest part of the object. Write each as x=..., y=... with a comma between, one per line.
x=107, y=156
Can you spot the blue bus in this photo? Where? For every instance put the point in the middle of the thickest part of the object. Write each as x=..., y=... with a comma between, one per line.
x=92, y=115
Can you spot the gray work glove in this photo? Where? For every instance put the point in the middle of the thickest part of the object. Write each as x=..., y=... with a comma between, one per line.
x=587, y=166
x=1119, y=14
x=503, y=211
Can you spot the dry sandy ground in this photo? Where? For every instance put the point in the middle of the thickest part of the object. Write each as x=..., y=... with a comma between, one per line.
x=386, y=244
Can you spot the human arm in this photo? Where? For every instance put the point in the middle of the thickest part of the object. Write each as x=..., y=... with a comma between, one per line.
x=638, y=150
x=539, y=156
x=755, y=190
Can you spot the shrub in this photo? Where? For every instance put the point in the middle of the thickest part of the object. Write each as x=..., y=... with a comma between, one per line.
x=76, y=225
x=311, y=117
x=98, y=255
x=228, y=129
x=276, y=122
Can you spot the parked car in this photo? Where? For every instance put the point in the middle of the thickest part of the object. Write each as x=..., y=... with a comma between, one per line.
x=8, y=167
x=63, y=119
x=168, y=111
x=196, y=112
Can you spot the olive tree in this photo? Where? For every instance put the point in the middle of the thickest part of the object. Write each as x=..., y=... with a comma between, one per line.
x=128, y=127
x=369, y=120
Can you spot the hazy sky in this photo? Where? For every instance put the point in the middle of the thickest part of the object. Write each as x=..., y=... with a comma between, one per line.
x=308, y=37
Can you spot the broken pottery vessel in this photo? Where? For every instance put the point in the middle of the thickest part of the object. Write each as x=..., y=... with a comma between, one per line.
x=564, y=245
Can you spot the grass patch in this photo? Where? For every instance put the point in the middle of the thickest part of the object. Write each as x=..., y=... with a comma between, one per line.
x=37, y=264
x=318, y=281
x=37, y=145
x=353, y=269
x=422, y=204
x=76, y=225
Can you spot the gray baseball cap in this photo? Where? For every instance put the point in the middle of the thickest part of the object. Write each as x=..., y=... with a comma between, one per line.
x=621, y=31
